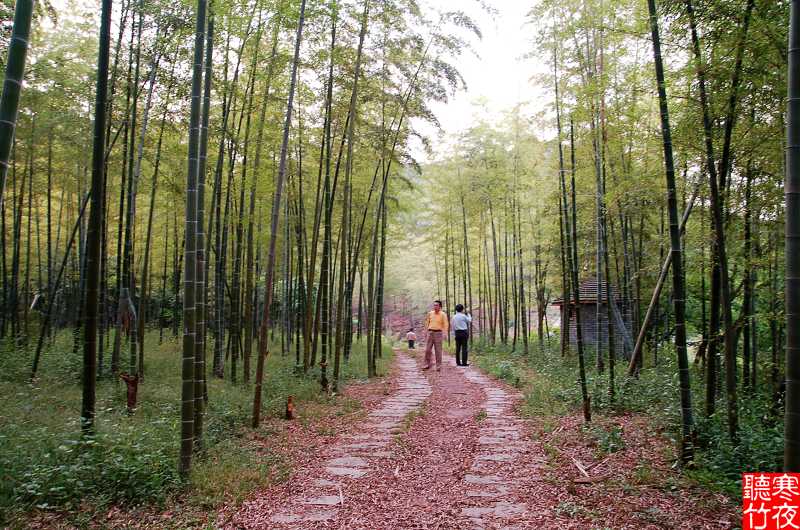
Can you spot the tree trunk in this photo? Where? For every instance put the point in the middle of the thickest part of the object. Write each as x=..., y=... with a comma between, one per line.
x=344, y=316
x=522, y=309
x=747, y=301
x=54, y=285
x=201, y=301
x=263, y=344
x=137, y=324
x=325, y=275
x=94, y=236
x=791, y=456
x=190, y=437
x=12, y=84
x=573, y=266
x=563, y=216
x=146, y=263
x=716, y=185
x=678, y=287
x=249, y=277
x=651, y=309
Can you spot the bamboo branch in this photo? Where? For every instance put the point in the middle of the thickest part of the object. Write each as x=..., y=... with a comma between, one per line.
x=637, y=350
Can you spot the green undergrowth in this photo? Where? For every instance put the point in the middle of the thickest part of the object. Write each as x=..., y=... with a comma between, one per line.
x=550, y=385
x=132, y=460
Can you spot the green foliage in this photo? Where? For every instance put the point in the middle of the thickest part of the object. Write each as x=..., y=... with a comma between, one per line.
x=549, y=383
x=572, y=509
x=609, y=440
x=44, y=463
x=550, y=387
x=721, y=463
x=58, y=360
x=231, y=470
x=114, y=468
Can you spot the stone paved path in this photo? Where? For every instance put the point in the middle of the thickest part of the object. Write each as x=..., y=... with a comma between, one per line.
x=349, y=459
x=445, y=450
x=490, y=482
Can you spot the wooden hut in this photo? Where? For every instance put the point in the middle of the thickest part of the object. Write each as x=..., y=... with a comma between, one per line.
x=588, y=311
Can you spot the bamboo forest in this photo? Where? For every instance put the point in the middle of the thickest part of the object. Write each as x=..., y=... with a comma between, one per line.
x=400, y=264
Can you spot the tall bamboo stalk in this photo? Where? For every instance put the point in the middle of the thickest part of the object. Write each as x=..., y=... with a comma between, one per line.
x=201, y=302
x=94, y=235
x=189, y=436
x=791, y=455
x=12, y=85
x=571, y=225
x=678, y=286
x=263, y=343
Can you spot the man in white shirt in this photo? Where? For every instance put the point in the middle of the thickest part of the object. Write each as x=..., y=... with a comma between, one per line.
x=411, y=337
x=460, y=323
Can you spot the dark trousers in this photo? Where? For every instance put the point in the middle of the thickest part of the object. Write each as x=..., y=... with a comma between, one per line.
x=411, y=345
x=462, y=339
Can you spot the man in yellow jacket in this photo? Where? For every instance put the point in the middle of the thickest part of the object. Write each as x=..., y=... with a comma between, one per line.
x=437, y=325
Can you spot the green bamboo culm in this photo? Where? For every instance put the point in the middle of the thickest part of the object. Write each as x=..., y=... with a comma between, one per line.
x=263, y=330
x=94, y=234
x=190, y=252
x=12, y=85
x=200, y=389
x=678, y=284
x=572, y=239
x=791, y=456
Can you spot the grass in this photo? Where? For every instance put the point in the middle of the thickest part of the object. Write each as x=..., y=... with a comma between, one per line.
x=607, y=439
x=541, y=379
x=572, y=510
x=410, y=418
x=46, y=465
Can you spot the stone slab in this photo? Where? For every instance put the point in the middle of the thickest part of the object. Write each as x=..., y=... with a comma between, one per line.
x=509, y=435
x=363, y=446
x=497, y=457
x=491, y=440
x=347, y=461
x=377, y=454
x=482, y=479
x=477, y=511
x=324, y=500
x=500, y=510
x=315, y=516
x=507, y=509
x=485, y=492
x=350, y=472
x=391, y=413
x=325, y=483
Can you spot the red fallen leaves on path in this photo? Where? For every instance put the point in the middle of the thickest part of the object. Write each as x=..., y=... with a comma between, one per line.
x=433, y=457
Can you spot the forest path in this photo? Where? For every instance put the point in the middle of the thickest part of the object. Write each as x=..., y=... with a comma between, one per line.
x=445, y=450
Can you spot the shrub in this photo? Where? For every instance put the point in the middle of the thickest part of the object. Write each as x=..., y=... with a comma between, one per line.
x=111, y=468
x=609, y=440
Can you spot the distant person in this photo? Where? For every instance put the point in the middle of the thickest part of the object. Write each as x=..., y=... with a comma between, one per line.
x=461, y=322
x=411, y=337
x=437, y=324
